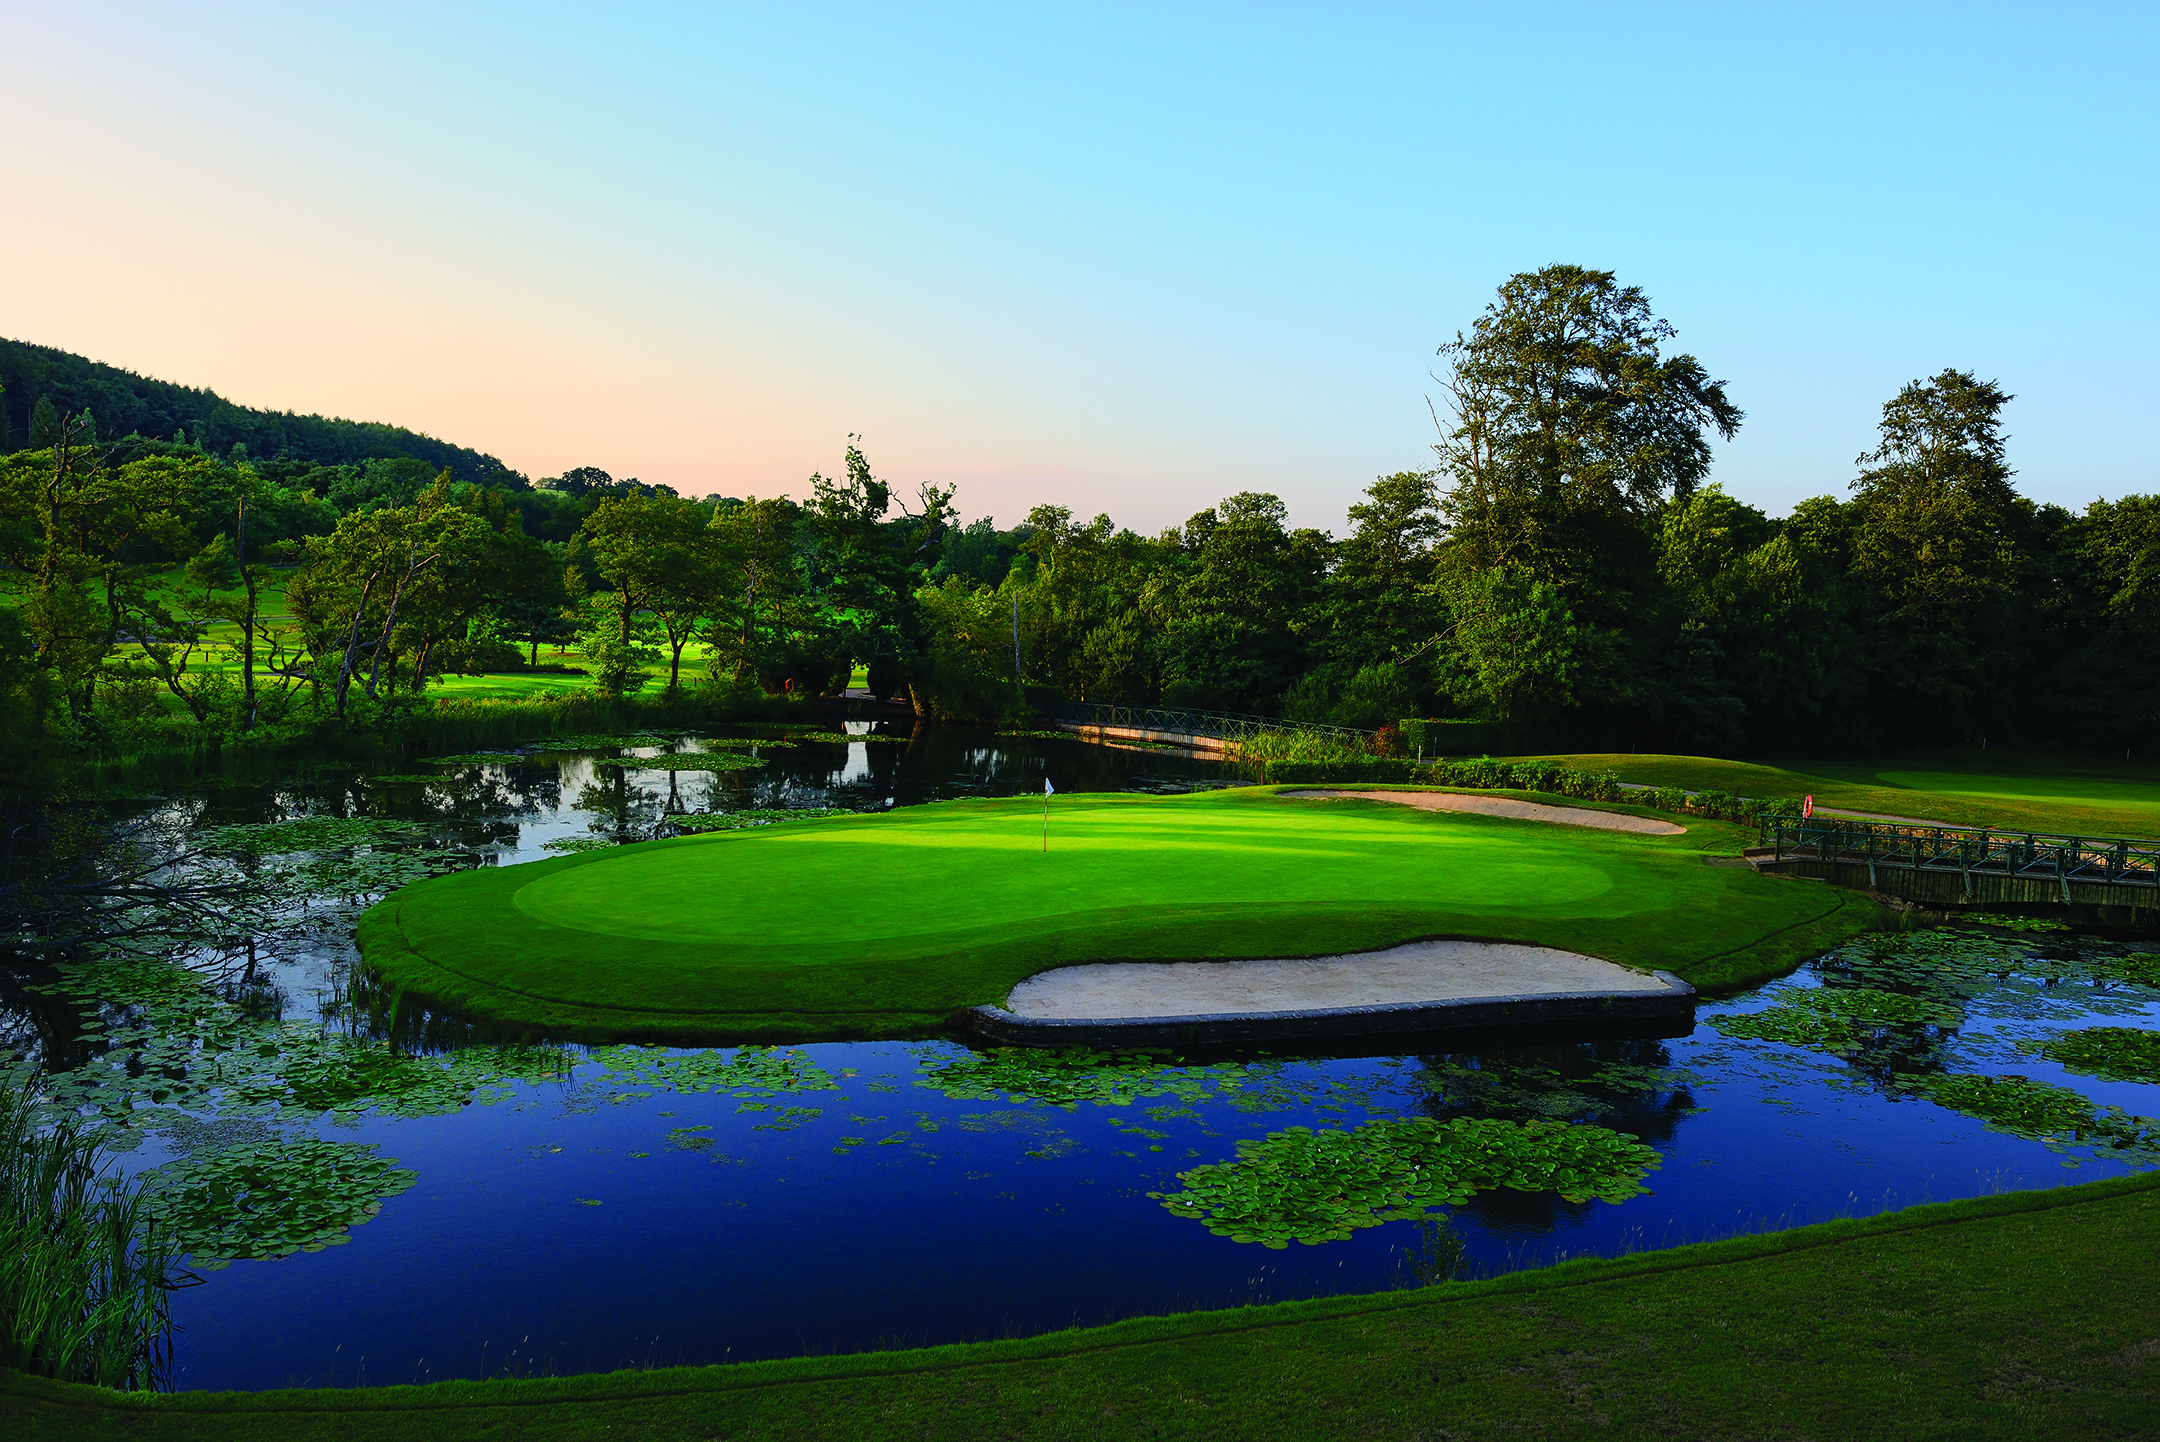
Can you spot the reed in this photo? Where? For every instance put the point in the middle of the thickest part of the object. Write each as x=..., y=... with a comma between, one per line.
x=85, y=1278
x=1252, y=755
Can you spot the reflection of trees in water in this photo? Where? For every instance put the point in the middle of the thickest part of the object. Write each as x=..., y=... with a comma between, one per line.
x=1882, y=1055
x=1628, y=1085
x=266, y=950
x=40, y=1025
x=370, y=1009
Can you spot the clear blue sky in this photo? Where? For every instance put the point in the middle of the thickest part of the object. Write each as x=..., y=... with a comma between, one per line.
x=1122, y=258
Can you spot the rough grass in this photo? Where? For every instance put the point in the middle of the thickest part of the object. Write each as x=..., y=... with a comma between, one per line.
x=1968, y=788
x=885, y=924
x=2008, y=1317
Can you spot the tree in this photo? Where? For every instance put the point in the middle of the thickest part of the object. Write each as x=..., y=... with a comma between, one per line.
x=1520, y=655
x=379, y=569
x=1568, y=428
x=767, y=626
x=1937, y=540
x=870, y=565
x=1238, y=639
x=661, y=557
x=44, y=424
x=1380, y=611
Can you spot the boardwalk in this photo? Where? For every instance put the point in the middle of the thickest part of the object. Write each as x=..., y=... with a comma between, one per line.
x=1956, y=866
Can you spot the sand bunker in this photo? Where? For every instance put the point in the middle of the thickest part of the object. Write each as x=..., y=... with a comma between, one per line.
x=1422, y=971
x=1503, y=806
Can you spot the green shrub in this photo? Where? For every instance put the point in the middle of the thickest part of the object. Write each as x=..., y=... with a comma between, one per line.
x=1550, y=777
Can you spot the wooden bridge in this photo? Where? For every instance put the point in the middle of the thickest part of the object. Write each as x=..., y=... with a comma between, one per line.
x=1177, y=726
x=1959, y=866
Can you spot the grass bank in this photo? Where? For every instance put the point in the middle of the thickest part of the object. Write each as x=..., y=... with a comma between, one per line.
x=884, y=924
x=2006, y=790
x=2002, y=1317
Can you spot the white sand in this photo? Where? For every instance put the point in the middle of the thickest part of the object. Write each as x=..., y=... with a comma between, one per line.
x=1503, y=806
x=1419, y=972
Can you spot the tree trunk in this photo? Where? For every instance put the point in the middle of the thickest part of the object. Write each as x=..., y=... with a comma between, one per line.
x=352, y=645
x=247, y=630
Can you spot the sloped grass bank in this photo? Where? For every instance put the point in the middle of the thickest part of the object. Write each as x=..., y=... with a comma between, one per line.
x=2011, y=1316
x=879, y=925
x=2005, y=790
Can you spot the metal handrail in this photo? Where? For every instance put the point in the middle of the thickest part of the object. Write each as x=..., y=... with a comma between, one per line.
x=2114, y=860
x=1178, y=720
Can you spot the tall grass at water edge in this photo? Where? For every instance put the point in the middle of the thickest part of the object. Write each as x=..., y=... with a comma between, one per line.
x=85, y=1276
x=1253, y=755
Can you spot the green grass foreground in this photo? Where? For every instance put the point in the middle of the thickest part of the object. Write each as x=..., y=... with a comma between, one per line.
x=2017, y=1316
x=2004, y=790
x=883, y=924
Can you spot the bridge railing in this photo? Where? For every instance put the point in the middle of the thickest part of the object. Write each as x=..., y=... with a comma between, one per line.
x=1178, y=720
x=2031, y=855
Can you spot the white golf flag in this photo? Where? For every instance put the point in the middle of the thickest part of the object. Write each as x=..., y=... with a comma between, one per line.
x=1047, y=787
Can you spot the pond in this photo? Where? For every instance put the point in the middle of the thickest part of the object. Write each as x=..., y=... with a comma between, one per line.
x=378, y=1195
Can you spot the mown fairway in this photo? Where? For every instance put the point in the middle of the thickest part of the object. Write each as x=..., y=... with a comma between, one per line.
x=1968, y=788
x=886, y=922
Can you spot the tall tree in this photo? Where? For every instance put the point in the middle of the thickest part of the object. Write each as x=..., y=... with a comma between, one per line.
x=661, y=557
x=1569, y=426
x=1937, y=540
x=866, y=561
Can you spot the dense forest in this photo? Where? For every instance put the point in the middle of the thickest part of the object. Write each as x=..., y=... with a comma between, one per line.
x=1565, y=568
x=39, y=385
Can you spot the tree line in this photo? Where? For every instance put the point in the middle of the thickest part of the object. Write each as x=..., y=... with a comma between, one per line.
x=1565, y=567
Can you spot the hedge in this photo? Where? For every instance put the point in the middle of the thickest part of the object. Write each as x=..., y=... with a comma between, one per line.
x=1435, y=738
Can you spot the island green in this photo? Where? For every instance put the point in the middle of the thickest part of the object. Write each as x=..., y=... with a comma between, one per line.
x=886, y=924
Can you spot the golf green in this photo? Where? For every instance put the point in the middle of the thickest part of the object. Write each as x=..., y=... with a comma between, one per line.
x=887, y=923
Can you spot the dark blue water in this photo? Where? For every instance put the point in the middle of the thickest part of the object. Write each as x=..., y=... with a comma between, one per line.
x=586, y=1223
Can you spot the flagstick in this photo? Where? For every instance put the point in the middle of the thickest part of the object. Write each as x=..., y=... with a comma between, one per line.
x=1046, y=823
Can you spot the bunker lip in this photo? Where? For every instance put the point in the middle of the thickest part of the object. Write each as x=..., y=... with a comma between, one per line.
x=1505, y=806
x=1440, y=984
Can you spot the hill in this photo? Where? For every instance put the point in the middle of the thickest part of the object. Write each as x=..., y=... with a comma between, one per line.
x=124, y=403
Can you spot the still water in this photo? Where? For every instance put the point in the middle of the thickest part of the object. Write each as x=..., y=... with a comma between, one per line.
x=598, y=1207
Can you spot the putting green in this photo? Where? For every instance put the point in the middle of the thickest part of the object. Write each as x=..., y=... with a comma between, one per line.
x=887, y=923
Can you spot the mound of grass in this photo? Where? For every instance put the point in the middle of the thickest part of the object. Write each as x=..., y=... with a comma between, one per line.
x=2004, y=1317
x=884, y=924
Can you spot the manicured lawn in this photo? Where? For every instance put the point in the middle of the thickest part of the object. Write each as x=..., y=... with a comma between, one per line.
x=880, y=924
x=508, y=686
x=1973, y=788
x=2014, y=1317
